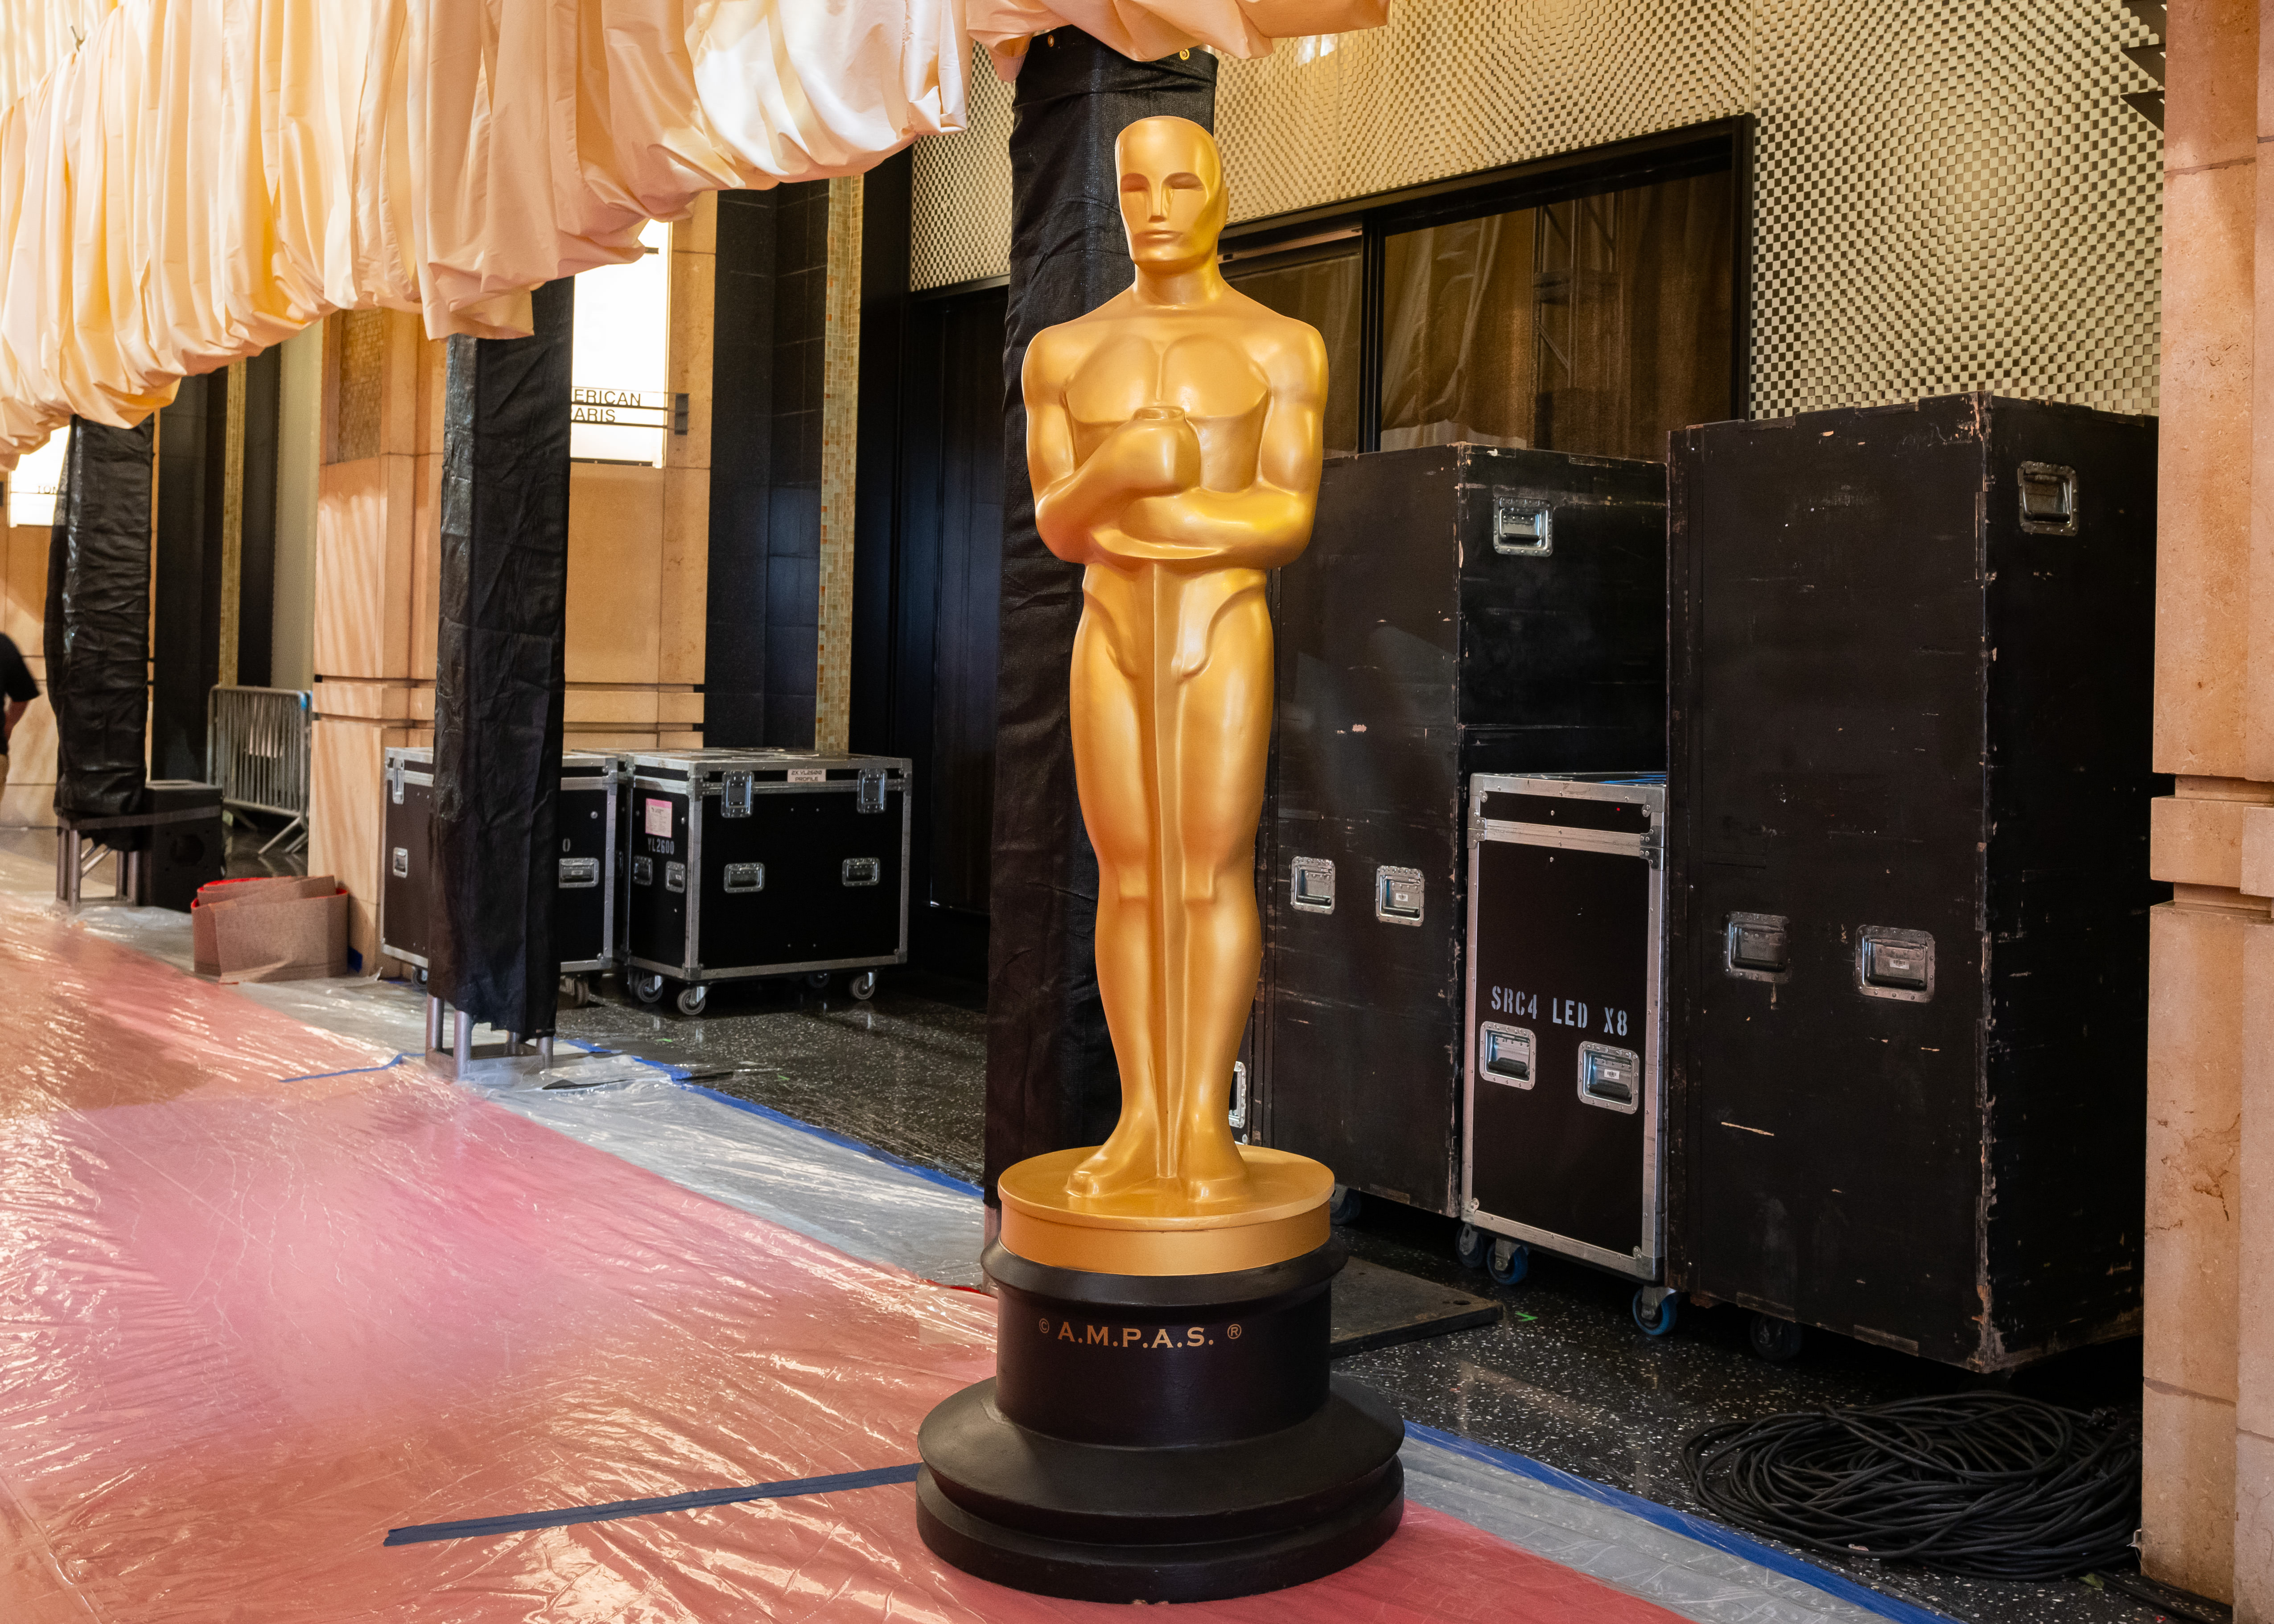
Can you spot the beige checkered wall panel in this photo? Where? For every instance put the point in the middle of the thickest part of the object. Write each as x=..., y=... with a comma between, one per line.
x=1949, y=195
x=960, y=227
x=1952, y=196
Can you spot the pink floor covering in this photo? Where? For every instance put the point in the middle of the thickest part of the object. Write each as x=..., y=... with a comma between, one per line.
x=249, y=1325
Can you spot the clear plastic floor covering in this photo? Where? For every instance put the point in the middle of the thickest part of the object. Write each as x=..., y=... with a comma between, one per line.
x=269, y=1290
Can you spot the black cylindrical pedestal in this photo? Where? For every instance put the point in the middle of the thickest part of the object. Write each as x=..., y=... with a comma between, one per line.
x=1160, y=1438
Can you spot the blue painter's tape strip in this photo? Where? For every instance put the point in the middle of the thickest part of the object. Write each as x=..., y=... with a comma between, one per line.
x=318, y=1076
x=947, y=1181
x=1689, y=1526
x=683, y=1077
x=476, y=1527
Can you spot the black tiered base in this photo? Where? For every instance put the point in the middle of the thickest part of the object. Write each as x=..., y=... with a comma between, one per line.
x=1160, y=1438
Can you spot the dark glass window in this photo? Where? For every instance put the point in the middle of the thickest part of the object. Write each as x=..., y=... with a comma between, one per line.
x=1541, y=309
x=1320, y=287
x=1595, y=324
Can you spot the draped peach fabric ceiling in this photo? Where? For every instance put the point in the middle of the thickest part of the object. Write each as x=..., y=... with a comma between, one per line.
x=1147, y=29
x=201, y=178
x=36, y=34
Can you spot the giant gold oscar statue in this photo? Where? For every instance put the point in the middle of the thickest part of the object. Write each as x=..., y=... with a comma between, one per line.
x=1173, y=439
x=1162, y=1425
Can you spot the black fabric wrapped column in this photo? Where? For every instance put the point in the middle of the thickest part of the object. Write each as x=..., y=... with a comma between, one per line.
x=498, y=678
x=98, y=624
x=1051, y=1082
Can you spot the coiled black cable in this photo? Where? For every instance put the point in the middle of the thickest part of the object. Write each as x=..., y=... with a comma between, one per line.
x=1983, y=1483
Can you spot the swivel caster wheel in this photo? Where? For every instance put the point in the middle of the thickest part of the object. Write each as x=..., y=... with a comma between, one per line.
x=1344, y=1206
x=863, y=985
x=647, y=986
x=1470, y=1247
x=692, y=999
x=818, y=981
x=1655, y=1310
x=1509, y=1261
x=1777, y=1340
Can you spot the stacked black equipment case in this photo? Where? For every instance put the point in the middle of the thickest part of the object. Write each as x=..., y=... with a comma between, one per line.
x=1909, y=799
x=1460, y=609
x=585, y=821
x=764, y=862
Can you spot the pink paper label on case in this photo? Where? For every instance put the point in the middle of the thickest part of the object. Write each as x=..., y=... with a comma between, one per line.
x=658, y=817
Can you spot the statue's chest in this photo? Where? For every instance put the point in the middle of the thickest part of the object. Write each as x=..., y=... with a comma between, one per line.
x=1209, y=379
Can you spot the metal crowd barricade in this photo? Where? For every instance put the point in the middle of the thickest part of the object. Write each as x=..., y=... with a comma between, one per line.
x=257, y=750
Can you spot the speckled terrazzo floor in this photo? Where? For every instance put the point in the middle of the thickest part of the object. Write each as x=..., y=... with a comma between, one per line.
x=1566, y=1378
x=904, y=1072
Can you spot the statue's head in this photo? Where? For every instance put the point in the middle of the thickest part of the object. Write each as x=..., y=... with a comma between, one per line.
x=1172, y=197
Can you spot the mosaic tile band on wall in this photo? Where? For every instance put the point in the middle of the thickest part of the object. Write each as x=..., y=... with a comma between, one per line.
x=1949, y=196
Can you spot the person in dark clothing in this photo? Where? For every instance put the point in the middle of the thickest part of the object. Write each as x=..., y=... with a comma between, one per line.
x=18, y=691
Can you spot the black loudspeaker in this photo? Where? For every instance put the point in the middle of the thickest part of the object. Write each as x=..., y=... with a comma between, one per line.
x=185, y=852
x=1460, y=609
x=1909, y=794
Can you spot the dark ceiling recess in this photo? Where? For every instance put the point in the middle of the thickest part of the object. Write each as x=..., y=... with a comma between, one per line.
x=2149, y=60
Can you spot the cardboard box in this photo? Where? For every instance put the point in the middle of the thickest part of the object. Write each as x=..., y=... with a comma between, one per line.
x=270, y=930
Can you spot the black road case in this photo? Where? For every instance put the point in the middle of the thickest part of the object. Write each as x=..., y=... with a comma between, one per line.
x=764, y=862
x=1564, y=1127
x=1909, y=788
x=585, y=911
x=1460, y=609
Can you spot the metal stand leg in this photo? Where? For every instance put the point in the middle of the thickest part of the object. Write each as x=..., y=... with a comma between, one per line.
x=433, y=1023
x=462, y=1039
x=513, y=1042
x=72, y=875
x=298, y=823
x=544, y=1051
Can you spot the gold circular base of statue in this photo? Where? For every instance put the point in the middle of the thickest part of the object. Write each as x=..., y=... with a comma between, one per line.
x=1155, y=1228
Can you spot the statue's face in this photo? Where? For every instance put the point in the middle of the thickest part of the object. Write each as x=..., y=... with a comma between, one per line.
x=1172, y=198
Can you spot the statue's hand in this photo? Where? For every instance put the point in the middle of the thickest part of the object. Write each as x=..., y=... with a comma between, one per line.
x=1156, y=453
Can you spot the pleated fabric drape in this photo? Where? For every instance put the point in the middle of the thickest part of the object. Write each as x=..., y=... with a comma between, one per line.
x=1146, y=30
x=201, y=178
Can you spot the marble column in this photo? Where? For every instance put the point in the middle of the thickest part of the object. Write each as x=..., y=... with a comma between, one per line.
x=378, y=574
x=2208, y=1516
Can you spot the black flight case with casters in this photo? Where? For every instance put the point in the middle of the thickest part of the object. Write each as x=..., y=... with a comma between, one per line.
x=763, y=863
x=1461, y=609
x=1563, y=1126
x=1913, y=664
x=586, y=822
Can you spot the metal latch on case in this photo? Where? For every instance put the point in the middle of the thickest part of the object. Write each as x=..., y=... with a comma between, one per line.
x=2048, y=499
x=1760, y=945
x=1894, y=964
x=734, y=794
x=394, y=780
x=1608, y=1077
x=872, y=789
x=675, y=876
x=740, y=877
x=642, y=870
x=1522, y=526
x=1397, y=896
x=579, y=873
x=1504, y=1055
x=862, y=871
x=1311, y=884
x=401, y=862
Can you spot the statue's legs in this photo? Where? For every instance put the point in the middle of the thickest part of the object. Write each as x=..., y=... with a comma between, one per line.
x=1111, y=755
x=1215, y=736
